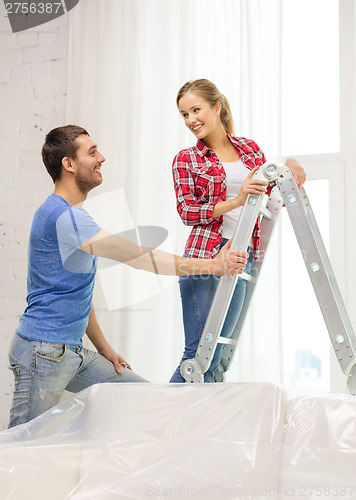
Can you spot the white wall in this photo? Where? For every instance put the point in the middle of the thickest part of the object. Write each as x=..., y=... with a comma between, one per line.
x=33, y=85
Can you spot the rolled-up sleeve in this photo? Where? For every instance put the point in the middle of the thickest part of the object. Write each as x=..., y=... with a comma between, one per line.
x=191, y=211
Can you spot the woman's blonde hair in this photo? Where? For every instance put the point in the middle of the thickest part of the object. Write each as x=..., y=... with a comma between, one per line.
x=208, y=91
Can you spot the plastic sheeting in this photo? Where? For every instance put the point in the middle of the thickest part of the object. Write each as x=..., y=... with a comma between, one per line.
x=243, y=441
x=319, y=449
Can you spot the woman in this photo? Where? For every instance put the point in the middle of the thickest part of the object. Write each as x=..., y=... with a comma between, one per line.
x=212, y=181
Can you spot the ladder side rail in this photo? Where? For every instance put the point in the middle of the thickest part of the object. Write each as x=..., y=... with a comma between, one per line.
x=193, y=369
x=326, y=261
x=334, y=313
x=268, y=225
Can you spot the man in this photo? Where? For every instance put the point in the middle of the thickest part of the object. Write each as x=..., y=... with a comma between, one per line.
x=46, y=354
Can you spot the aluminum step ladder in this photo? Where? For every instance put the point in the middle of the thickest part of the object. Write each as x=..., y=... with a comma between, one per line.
x=285, y=191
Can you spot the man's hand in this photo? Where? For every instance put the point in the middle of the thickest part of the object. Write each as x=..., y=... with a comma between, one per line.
x=230, y=261
x=297, y=171
x=118, y=361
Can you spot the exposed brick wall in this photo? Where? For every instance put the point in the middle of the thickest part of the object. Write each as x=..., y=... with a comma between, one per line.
x=33, y=87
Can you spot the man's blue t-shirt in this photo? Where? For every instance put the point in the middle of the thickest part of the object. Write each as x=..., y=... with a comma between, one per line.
x=61, y=277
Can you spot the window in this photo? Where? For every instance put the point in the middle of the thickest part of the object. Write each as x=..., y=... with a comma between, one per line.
x=310, y=77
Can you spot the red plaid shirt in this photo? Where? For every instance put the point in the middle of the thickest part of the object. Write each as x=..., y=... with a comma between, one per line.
x=200, y=183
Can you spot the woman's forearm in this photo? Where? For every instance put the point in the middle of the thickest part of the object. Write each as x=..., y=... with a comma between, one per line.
x=223, y=207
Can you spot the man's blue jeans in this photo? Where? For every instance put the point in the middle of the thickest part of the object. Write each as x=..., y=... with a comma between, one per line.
x=43, y=371
x=197, y=293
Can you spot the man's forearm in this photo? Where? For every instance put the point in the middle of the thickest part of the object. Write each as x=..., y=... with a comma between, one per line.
x=156, y=261
x=95, y=333
x=151, y=260
x=164, y=263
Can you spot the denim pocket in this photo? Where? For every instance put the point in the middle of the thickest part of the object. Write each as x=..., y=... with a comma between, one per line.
x=52, y=352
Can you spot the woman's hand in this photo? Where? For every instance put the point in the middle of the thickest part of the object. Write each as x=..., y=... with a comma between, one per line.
x=297, y=171
x=229, y=261
x=250, y=186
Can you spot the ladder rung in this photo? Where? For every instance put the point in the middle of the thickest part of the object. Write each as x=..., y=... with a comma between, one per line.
x=247, y=277
x=225, y=340
x=266, y=212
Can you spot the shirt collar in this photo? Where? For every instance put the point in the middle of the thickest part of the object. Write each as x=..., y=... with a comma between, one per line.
x=203, y=150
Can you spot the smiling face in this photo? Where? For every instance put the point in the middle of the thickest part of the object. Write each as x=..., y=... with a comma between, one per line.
x=87, y=164
x=199, y=116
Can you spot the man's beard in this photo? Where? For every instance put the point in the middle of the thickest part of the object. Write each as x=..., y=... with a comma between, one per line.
x=86, y=185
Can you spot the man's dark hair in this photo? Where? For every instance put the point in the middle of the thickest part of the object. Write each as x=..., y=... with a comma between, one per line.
x=59, y=143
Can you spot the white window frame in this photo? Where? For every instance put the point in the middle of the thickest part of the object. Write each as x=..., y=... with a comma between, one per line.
x=340, y=170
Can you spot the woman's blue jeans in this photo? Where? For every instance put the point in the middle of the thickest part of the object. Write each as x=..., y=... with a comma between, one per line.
x=197, y=293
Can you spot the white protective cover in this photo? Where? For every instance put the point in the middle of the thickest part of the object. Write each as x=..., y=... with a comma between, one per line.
x=241, y=441
x=319, y=451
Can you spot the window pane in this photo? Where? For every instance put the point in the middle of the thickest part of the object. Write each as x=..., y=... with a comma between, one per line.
x=310, y=77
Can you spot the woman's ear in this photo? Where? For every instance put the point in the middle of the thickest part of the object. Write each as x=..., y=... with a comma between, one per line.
x=218, y=107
